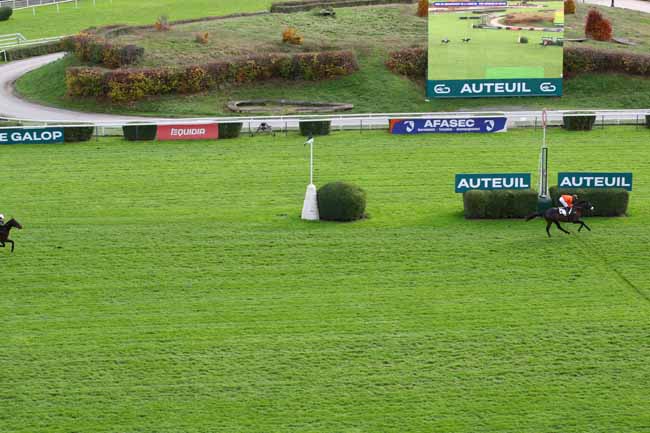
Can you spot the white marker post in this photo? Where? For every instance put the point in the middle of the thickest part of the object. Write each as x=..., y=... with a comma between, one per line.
x=310, y=205
x=544, y=198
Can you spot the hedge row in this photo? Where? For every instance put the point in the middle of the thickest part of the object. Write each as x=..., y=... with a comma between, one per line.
x=124, y=85
x=582, y=59
x=579, y=121
x=606, y=202
x=412, y=62
x=499, y=203
x=98, y=51
x=314, y=127
x=305, y=5
x=19, y=52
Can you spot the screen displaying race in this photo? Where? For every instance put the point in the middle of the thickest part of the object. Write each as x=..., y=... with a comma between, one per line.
x=499, y=48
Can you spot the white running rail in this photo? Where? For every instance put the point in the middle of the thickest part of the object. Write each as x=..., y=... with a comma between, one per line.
x=23, y=4
x=14, y=40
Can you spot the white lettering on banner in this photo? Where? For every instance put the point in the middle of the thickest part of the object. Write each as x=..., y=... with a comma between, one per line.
x=177, y=132
x=479, y=88
x=450, y=123
x=594, y=181
x=492, y=183
x=3, y=136
x=33, y=136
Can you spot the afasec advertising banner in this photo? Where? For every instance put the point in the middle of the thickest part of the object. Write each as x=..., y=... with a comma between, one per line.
x=448, y=125
x=207, y=131
x=31, y=135
x=466, y=182
x=595, y=180
x=495, y=49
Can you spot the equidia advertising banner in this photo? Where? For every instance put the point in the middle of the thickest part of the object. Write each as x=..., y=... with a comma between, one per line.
x=448, y=125
x=207, y=131
x=595, y=180
x=466, y=182
x=491, y=49
x=31, y=135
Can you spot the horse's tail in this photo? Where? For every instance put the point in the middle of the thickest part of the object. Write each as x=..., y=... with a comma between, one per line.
x=534, y=215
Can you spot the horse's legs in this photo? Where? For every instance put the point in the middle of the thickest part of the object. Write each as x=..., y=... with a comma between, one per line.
x=584, y=224
x=2, y=244
x=548, y=227
x=12, y=244
x=557, y=223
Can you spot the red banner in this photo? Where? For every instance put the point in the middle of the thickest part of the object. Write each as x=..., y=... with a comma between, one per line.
x=207, y=131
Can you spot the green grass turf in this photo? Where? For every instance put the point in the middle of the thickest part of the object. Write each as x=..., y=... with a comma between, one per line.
x=70, y=20
x=166, y=287
x=488, y=49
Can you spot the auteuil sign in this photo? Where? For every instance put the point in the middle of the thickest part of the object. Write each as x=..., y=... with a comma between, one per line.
x=595, y=180
x=31, y=135
x=466, y=182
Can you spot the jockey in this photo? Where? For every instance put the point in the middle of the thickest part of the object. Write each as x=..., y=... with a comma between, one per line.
x=567, y=201
x=2, y=219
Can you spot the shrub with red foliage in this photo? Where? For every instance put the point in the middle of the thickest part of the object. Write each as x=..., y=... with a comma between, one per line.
x=569, y=7
x=423, y=8
x=597, y=27
x=127, y=85
x=411, y=62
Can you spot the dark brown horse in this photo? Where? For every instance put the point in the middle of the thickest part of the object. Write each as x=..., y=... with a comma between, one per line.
x=4, y=233
x=553, y=215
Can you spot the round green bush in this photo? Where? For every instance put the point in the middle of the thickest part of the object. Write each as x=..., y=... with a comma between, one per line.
x=340, y=201
x=5, y=13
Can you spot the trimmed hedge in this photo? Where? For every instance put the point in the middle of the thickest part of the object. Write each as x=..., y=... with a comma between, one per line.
x=19, y=52
x=340, y=201
x=5, y=13
x=508, y=203
x=140, y=132
x=314, y=127
x=98, y=51
x=230, y=130
x=73, y=134
x=125, y=85
x=582, y=59
x=305, y=5
x=579, y=121
x=411, y=62
x=607, y=202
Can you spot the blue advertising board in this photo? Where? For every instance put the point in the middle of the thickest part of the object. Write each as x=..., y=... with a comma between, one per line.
x=491, y=181
x=449, y=125
x=31, y=135
x=595, y=180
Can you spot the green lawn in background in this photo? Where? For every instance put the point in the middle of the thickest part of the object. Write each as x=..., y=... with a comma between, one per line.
x=166, y=287
x=488, y=49
x=70, y=19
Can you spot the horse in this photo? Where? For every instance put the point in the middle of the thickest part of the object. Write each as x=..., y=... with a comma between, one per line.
x=553, y=215
x=4, y=232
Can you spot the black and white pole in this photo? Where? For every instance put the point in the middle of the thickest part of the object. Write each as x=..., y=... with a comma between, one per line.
x=543, y=161
x=310, y=205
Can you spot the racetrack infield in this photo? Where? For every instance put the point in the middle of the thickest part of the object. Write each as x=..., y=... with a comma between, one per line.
x=166, y=287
